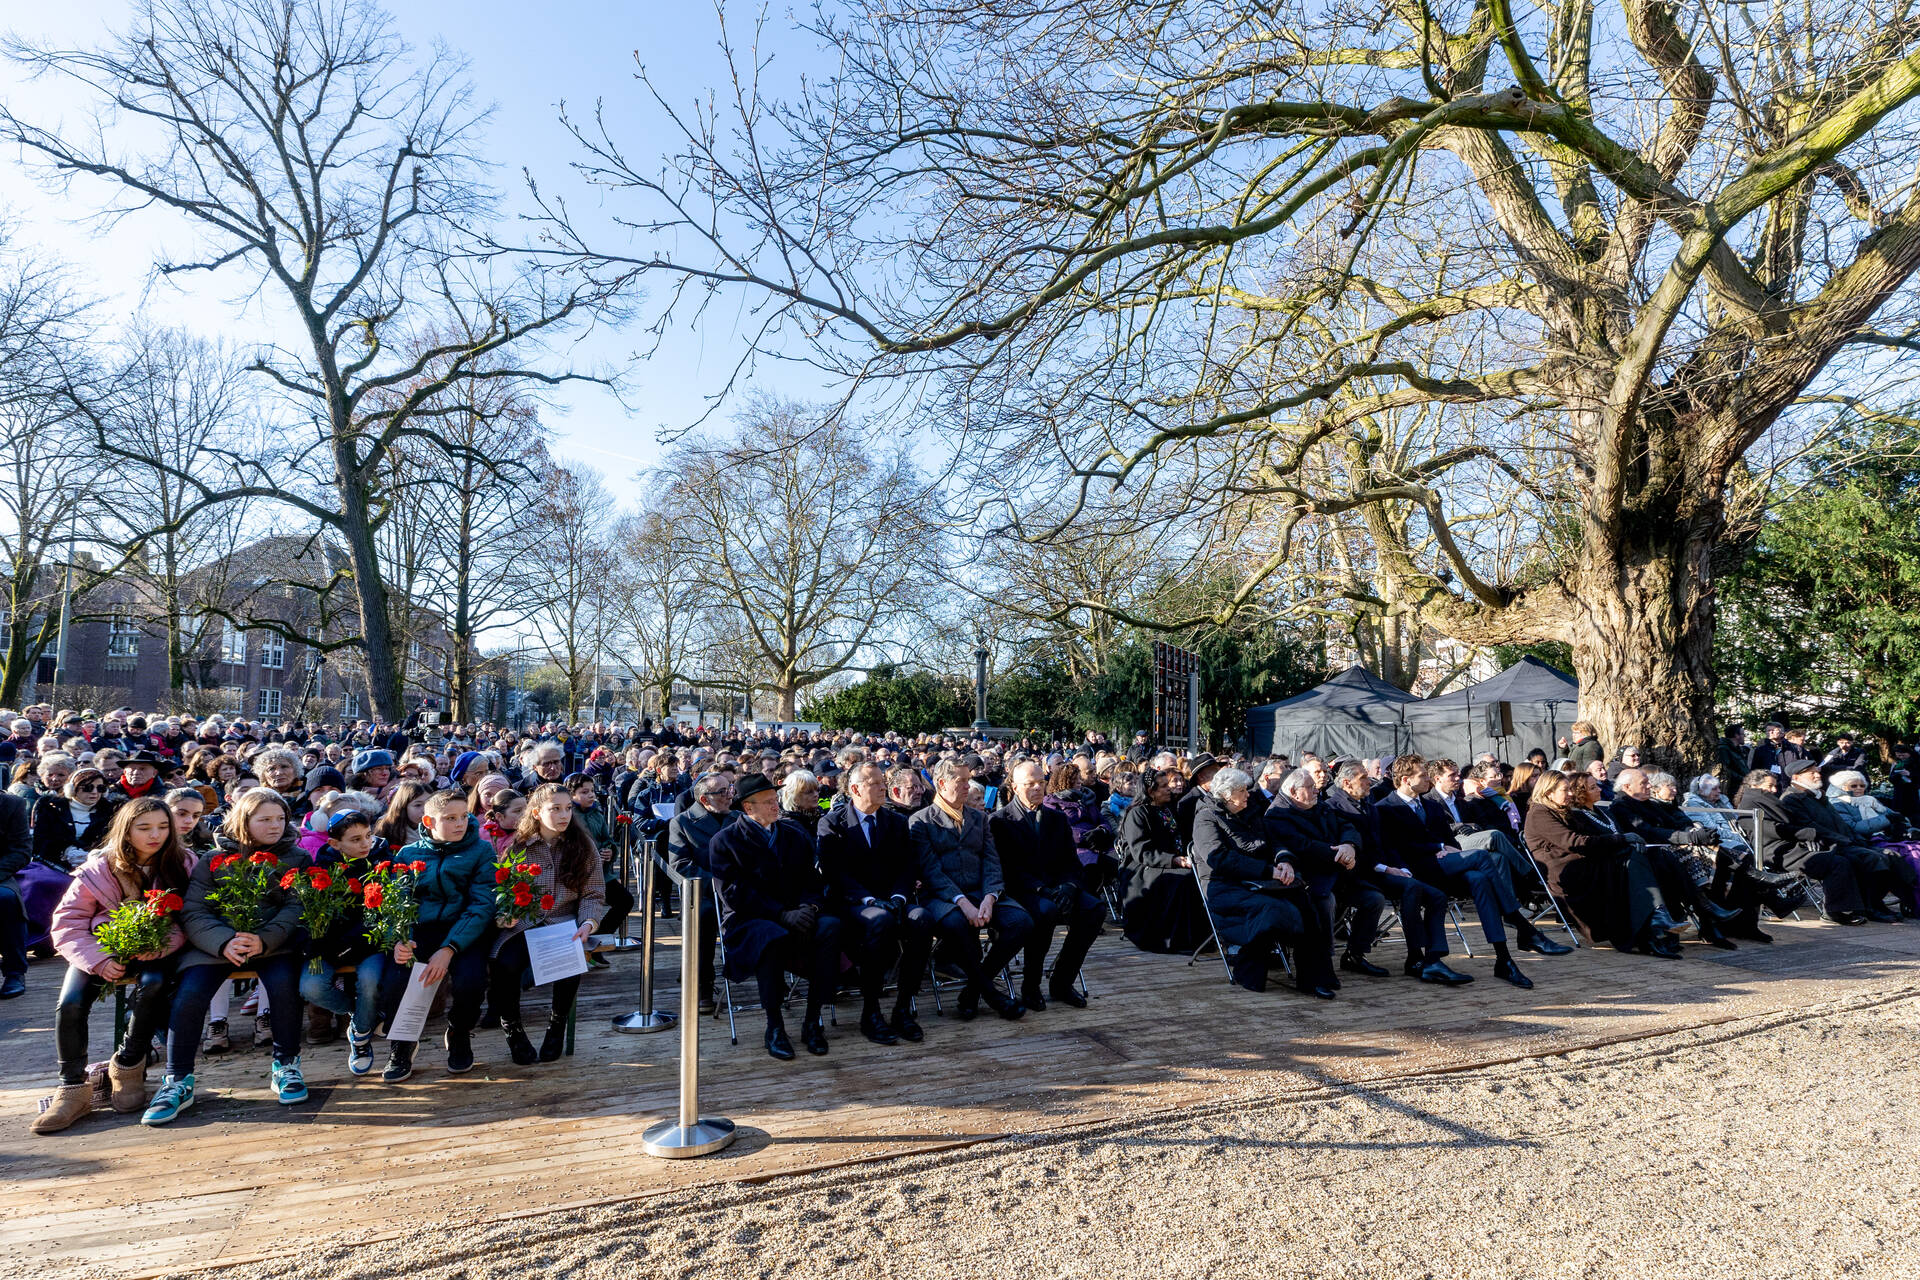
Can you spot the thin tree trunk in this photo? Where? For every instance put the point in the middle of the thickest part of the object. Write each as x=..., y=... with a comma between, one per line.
x=370, y=590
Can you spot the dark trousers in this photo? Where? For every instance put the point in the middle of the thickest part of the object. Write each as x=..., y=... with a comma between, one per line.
x=1080, y=911
x=1521, y=873
x=1879, y=873
x=504, y=973
x=1261, y=922
x=1423, y=913
x=1839, y=883
x=1008, y=931
x=148, y=980
x=815, y=957
x=467, y=973
x=709, y=928
x=886, y=936
x=279, y=974
x=1331, y=895
x=13, y=934
x=620, y=902
x=1483, y=874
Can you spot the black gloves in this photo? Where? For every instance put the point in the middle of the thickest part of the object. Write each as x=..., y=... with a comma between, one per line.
x=1467, y=828
x=801, y=920
x=1100, y=838
x=899, y=901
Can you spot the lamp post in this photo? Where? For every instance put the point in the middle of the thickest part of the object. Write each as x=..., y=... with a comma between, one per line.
x=980, y=685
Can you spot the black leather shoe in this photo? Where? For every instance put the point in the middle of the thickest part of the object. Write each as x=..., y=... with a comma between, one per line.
x=814, y=1037
x=778, y=1045
x=1843, y=917
x=1706, y=908
x=459, y=1052
x=1320, y=993
x=1508, y=971
x=1880, y=915
x=968, y=1005
x=1068, y=996
x=1413, y=966
x=1661, y=922
x=1003, y=1005
x=906, y=1026
x=1755, y=934
x=1541, y=944
x=1437, y=971
x=13, y=988
x=875, y=1028
x=1032, y=999
x=518, y=1046
x=1664, y=945
x=553, y=1045
x=1360, y=964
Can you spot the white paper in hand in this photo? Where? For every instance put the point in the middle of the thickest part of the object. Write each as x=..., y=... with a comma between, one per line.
x=663, y=811
x=554, y=952
x=409, y=1021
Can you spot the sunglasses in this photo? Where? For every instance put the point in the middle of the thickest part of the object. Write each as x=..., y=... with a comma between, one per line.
x=89, y=786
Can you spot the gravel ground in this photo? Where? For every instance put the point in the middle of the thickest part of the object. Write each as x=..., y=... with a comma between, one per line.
x=1781, y=1146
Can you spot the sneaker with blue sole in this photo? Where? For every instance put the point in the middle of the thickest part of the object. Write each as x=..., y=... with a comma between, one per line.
x=174, y=1096
x=288, y=1084
x=359, y=1051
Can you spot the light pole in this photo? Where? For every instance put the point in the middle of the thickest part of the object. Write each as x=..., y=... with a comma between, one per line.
x=980, y=684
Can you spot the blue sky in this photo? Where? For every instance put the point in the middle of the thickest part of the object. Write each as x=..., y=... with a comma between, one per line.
x=524, y=59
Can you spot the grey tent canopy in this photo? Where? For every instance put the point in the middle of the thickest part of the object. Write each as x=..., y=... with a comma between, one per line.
x=1354, y=714
x=1542, y=701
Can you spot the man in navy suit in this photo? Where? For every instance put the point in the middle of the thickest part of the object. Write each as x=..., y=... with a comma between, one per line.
x=867, y=858
x=1043, y=875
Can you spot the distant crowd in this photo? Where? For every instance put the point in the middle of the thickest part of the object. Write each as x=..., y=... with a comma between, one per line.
x=855, y=863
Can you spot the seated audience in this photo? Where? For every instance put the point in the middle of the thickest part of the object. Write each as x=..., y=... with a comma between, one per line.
x=1255, y=890
x=1601, y=875
x=866, y=855
x=568, y=889
x=1041, y=860
x=965, y=889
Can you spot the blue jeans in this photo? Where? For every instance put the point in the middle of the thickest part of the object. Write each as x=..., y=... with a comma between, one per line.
x=363, y=1004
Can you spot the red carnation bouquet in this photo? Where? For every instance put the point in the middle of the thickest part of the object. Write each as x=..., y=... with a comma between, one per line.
x=139, y=927
x=241, y=883
x=324, y=898
x=392, y=907
x=515, y=887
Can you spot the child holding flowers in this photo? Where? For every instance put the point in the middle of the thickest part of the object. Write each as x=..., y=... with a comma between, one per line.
x=563, y=882
x=239, y=915
x=339, y=869
x=130, y=889
x=453, y=892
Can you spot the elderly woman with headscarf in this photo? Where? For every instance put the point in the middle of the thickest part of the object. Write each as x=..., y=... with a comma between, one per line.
x=1254, y=892
x=1869, y=818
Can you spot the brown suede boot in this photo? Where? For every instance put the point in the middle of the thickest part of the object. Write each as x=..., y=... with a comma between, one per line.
x=319, y=1025
x=129, y=1085
x=69, y=1103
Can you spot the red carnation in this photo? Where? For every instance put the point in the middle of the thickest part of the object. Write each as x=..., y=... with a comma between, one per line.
x=532, y=868
x=522, y=896
x=290, y=879
x=374, y=897
x=383, y=866
x=263, y=858
x=622, y=819
x=172, y=902
x=500, y=875
x=354, y=887
x=320, y=879
x=546, y=902
x=418, y=867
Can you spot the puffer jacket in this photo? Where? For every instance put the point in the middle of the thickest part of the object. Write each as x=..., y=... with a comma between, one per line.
x=1865, y=814
x=90, y=898
x=207, y=933
x=456, y=886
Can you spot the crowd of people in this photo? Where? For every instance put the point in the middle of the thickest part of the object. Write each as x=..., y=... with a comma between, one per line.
x=857, y=863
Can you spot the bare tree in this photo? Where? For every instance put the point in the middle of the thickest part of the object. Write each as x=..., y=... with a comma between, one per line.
x=1210, y=248
x=560, y=575
x=336, y=178
x=179, y=409
x=819, y=539
x=658, y=597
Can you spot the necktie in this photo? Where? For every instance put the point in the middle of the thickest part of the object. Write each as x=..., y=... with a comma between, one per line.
x=866, y=828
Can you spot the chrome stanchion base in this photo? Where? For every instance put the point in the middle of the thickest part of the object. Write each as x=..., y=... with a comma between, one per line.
x=671, y=1142
x=658, y=1020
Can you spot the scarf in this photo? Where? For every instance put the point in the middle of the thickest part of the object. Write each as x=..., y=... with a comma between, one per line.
x=958, y=815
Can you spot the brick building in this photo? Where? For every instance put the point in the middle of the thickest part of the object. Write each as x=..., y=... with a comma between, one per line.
x=117, y=655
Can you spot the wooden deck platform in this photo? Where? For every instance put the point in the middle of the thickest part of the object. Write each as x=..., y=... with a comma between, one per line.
x=240, y=1177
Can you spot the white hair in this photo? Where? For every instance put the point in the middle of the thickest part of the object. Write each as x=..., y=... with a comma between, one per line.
x=1844, y=778
x=1297, y=779
x=790, y=789
x=1226, y=782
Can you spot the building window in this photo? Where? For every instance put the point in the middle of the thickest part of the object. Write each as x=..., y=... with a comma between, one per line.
x=269, y=703
x=233, y=644
x=350, y=705
x=233, y=699
x=413, y=653
x=123, y=635
x=273, y=652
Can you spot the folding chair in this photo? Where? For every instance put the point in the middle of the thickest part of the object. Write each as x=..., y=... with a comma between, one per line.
x=1227, y=953
x=726, y=987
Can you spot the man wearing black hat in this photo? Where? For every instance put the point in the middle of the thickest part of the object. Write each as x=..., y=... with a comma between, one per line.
x=773, y=911
x=966, y=891
x=139, y=776
x=1876, y=873
x=1200, y=771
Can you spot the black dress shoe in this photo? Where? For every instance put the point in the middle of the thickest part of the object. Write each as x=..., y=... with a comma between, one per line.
x=906, y=1026
x=1843, y=917
x=1413, y=966
x=1706, y=908
x=1005, y=1006
x=1879, y=915
x=1664, y=945
x=13, y=988
x=1755, y=934
x=1437, y=971
x=968, y=1005
x=1068, y=996
x=1360, y=964
x=814, y=1037
x=1508, y=971
x=1540, y=944
x=1032, y=999
x=778, y=1045
x=1319, y=992
x=875, y=1028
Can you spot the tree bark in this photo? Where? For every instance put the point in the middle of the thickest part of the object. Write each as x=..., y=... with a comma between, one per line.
x=370, y=589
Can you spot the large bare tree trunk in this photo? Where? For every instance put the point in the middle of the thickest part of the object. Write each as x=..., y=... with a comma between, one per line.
x=370, y=588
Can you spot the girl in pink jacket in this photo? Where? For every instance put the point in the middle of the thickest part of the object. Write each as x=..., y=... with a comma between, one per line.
x=141, y=852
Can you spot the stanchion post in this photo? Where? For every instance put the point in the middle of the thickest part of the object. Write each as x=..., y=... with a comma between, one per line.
x=689, y=1134
x=646, y=1017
